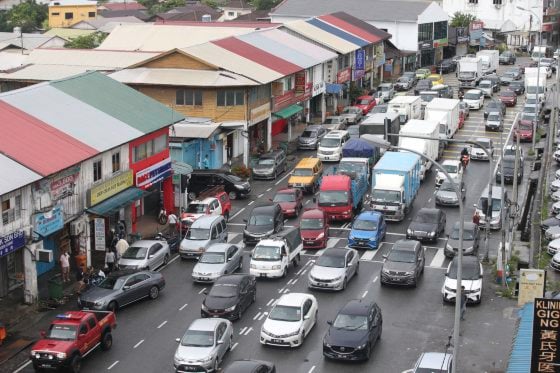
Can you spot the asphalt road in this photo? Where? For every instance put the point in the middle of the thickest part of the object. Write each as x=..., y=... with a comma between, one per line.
x=415, y=320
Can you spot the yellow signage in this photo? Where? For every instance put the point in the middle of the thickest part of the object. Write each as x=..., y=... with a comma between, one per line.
x=531, y=285
x=110, y=187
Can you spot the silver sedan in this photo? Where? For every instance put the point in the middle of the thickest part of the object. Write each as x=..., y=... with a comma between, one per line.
x=145, y=254
x=334, y=268
x=219, y=259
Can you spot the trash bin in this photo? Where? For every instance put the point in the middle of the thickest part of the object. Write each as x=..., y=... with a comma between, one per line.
x=55, y=287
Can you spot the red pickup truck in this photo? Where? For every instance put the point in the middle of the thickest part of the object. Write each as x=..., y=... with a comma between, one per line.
x=214, y=201
x=71, y=337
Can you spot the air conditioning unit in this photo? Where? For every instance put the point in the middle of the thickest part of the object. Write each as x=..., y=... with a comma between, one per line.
x=77, y=227
x=42, y=255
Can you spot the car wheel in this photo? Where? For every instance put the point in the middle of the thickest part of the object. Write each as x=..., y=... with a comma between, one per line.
x=232, y=195
x=254, y=297
x=76, y=364
x=165, y=259
x=285, y=271
x=368, y=351
x=357, y=268
x=275, y=174
x=112, y=306
x=106, y=342
x=239, y=313
x=154, y=292
x=230, y=343
x=216, y=365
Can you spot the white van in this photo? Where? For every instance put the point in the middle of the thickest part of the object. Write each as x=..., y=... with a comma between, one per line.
x=330, y=146
x=205, y=231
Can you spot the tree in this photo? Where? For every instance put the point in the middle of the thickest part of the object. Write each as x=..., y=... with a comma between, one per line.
x=28, y=15
x=264, y=4
x=90, y=41
x=462, y=19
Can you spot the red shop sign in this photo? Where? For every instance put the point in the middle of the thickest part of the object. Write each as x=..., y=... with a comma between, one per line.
x=344, y=75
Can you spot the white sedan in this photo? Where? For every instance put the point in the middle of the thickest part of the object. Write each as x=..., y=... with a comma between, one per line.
x=552, y=233
x=290, y=321
x=553, y=246
x=474, y=98
x=471, y=280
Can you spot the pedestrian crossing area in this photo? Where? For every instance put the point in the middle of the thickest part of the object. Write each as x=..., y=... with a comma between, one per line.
x=435, y=257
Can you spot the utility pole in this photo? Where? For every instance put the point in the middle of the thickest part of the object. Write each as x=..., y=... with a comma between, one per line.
x=503, y=213
x=515, y=191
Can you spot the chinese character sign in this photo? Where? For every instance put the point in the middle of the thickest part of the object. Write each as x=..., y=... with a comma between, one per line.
x=11, y=242
x=546, y=329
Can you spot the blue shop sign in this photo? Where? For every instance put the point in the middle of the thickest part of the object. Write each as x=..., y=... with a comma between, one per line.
x=11, y=242
x=360, y=59
x=47, y=223
x=153, y=174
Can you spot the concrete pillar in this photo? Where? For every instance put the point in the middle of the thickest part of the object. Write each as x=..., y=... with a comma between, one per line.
x=246, y=146
x=268, y=133
x=30, y=288
x=307, y=110
x=323, y=108
x=335, y=103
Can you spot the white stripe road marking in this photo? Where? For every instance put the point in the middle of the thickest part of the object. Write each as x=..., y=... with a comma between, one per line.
x=286, y=291
x=438, y=259
x=264, y=314
x=201, y=291
x=139, y=343
x=248, y=331
x=22, y=367
x=283, y=177
x=237, y=213
x=281, y=290
x=312, y=369
x=183, y=306
x=296, y=280
x=250, y=203
x=242, y=330
x=257, y=316
x=364, y=294
x=234, y=346
x=375, y=279
x=331, y=243
x=306, y=202
x=168, y=263
x=270, y=302
x=260, y=195
x=162, y=324
x=368, y=255
x=269, y=189
x=112, y=365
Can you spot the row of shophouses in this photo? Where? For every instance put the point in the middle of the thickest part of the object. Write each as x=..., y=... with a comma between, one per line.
x=94, y=137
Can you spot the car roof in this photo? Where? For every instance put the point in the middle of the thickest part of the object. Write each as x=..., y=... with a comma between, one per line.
x=286, y=191
x=427, y=210
x=293, y=299
x=218, y=247
x=467, y=260
x=336, y=134
x=434, y=360
x=234, y=278
x=467, y=225
x=243, y=366
x=369, y=215
x=356, y=307
x=208, y=324
x=473, y=91
x=405, y=244
x=313, y=127
x=144, y=243
x=307, y=162
x=313, y=214
x=453, y=162
x=124, y=273
x=336, y=251
x=206, y=221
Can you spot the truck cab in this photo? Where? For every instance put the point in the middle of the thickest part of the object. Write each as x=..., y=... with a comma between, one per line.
x=314, y=229
x=387, y=196
x=271, y=257
x=340, y=196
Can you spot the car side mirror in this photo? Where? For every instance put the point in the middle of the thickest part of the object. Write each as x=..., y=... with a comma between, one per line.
x=306, y=317
x=419, y=260
x=385, y=256
x=475, y=206
x=177, y=340
x=205, y=292
x=126, y=287
x=229, y=259
x=220, y=342
x=150, y=256
x=81, y=335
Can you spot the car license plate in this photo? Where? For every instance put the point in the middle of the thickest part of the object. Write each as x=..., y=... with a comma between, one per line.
x=46, y=365
x=263, y=274
x=277, y=341
x=204, y=278
x=340, y=356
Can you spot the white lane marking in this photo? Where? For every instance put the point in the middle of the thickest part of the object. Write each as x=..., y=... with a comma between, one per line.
x=312, y=369
x=375, y=279
x=237, y=213
x=139, y=343
x=364, y=294
x=112, y=365
x=290, y=282
x=394, y=234
x=368, y=255
x=234, y=346
x=264, y=314
x=248, y=331
x=330, y=243
x=286, y=291
x=242, y=330
x=270, y=302
x=283, y=177
x=281, y=290
x=168, y=263
x=438, y=259
x=162, y=324
x=260, y=195
x=269, y=189
x=306, y=202
x=250, y=203
x=183, y=306
x=22, y=367
x=201, y=290
x=257, y=316
x=430, y=200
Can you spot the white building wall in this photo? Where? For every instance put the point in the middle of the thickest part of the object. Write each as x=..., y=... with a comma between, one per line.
x=404, y=34
x=24, y=220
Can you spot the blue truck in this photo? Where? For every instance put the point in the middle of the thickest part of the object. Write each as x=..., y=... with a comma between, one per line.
x=395, y=182
x=340, y=197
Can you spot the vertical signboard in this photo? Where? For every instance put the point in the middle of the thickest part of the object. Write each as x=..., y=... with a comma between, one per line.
x=546, y=330
x=531, y=285
x=99, y=233
x=300, y=83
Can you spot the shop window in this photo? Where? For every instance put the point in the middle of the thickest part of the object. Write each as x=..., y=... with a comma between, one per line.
x=11, y=209
x=189, y=97
x=97, y=173
x=68, y=15
x=473, y=1
x=150, y=148
x=116, y=161
x=91, y=14
x=160, y=144
x=425, y=32
x=440, y=29
x=230, y=98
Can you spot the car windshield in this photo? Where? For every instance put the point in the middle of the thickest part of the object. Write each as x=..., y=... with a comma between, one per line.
x=403, y=256
x=285, y=313
x=196, y=208
x=333, y=197
x=471, y=271
x=509, y=164
x=266, y=162
x=508, y=74
x=311, y=224
x=525, y=127
x=485, y=85
x=365, y=225
x=530, y=109
x=404, y=80
x=364, y=102
x=212, y=258
x=267, y=253
x=484, y=142
x=261, y=220
x=531, y=101
x=223, y=291
x=62, y=332
x=234, y=178
x=466, y=75
x=350, y=322
x=309, y=134
x=333, y=261
x=284, y=197
x=468, y=234
x=533, y=89
x=135, y=252
x=111, y=283
x=471, y=96
x=493, y=117
x=350, y=110
x=303, y=172
x=427, y=97
x=198, y=338
x=330, y=143
x=386, y=196
x=528, y=116
x=451, y=168
x=516, y=84
x=198, y=234
x=483, y=204
x=332, y=121
x=379, y=109
x=385, y=88
x=425, y=217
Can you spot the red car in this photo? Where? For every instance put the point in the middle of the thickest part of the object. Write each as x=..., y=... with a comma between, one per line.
x=366, y=103
x=314, y=229
x=523, y=129
x=509, y=98
x=290, y=200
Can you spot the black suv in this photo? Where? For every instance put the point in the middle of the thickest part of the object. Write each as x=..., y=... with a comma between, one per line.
x=494, y=105
x=427, y=225
x=507, y=58
x=264, y=221
x=509, y=170
x=354, y=331
x=448, y=65
x=404, y=264
x=423, y=85
x=201, y=180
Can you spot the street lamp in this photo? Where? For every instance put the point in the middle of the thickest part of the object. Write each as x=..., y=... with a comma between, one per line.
x=458, y=293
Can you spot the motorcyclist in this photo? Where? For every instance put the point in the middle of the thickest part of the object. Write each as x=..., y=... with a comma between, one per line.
x=465, y=157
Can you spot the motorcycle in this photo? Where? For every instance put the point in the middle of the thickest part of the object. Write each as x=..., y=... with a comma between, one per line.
x=464, y=160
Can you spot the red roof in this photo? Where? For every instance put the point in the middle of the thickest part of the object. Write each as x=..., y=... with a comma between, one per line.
x=124, y=6
x=348, y=27
x=257, y=55
x=255, y=25
x=37, y=145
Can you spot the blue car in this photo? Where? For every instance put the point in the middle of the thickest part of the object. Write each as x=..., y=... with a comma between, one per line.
x=368, y=230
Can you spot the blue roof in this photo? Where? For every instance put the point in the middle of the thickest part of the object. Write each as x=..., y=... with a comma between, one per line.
x=338, y=32
x=520, y=356
x=369, y=215
x=398, y=161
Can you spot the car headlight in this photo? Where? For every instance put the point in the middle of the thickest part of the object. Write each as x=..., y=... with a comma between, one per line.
x=449, y=247
x=180, y=358
x=98, y=303
x=495, y=221
x=230, y=309
x=338, y=278
x=61, y=355
x=321, y=235
x=361, y=347
x=200, y=249
x=253, y=266
x=292, y=334
x=204, y=308
x=290, y=210
x=475, y=290
x=350, y=237
x=275, y=267
x=384, y=270
x=409, y=231
x=35, y=354
x=449, y=289
x=205, y=359
x=432, y=234
x=408, y=273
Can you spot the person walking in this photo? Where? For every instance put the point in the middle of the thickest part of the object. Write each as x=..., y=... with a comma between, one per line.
x=172, y=221
x=476, y=218
x=110, y=260
x=463, y=303
x=65, y=266
x=206, y=162
x=121, y=246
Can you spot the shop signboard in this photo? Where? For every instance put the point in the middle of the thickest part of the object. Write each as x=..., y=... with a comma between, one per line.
x=46, y=223
x=357, y=74
x=441, y=43
x=11, y=242
x=282, y=101
x=318, y=88
x=58, y=186
x=360, y=65
x=476, y=25
x=110, y=187
x=344, y=75
x=306, y=93
x=545, y=354
x=99, y=234
x=300, y=83
x=531, y=285
x=153, y=174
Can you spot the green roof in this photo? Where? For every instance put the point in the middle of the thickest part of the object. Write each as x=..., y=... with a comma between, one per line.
x=119, y=101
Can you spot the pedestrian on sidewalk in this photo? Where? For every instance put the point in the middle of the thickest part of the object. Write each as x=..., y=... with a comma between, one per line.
x=463, y=303
x=172, y=221
x=121, y=246
x=206, y=162
x=476, y=218
x=65, y=266
x=110, y=260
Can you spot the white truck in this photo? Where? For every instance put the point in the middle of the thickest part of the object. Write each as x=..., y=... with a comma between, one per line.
x=272, y=256
x=429, y=148
x=449, y=122
x=538, y=52
x=490, y=60
x=532, y=77
x=408, y=107
x=469, y=72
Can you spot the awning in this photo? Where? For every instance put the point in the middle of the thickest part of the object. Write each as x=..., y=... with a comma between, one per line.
x=193, y=130
x=288, y=112
x=233, y=124
x=333, y=88
x=180, y=168
x=115, y=203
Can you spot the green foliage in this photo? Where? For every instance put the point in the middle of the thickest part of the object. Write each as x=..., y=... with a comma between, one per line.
x=264, y=4
x=28, y=15
x=355, y=92
x=4, y=21
x=90, y=41
x=213, y=3
x=461, y=19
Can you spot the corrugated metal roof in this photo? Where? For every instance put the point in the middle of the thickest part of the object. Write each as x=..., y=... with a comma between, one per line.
x=19, y=175
x=520, y=355
x=93, y=59
x=260, y=56
x=321, y=36
x=338, y=32
x=302, y=46
x=94, y=124
x=233, y=62
x=41, y=73
x=28, y=140
x=355, y=26
x=119, y=101
x=11, y=60
x=68, y=33
x=182, y=77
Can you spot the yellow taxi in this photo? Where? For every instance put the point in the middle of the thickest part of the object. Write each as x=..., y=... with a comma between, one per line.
x=423, y=73
x=306, y=175
x=436, y=79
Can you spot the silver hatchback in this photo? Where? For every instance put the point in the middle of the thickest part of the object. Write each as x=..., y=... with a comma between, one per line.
x=219, y=259
x=145, y=254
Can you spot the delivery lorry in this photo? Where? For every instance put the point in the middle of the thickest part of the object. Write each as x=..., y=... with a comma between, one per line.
x=340, y=197
x=271, y=257
x=540, y=52
x=449, y=122
x=408, y=107
x=381, y=125
x=533, y=79
x=358, y=158
x=490, y=60
x=469, y=72
x=394, y=184
x=429, y=148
